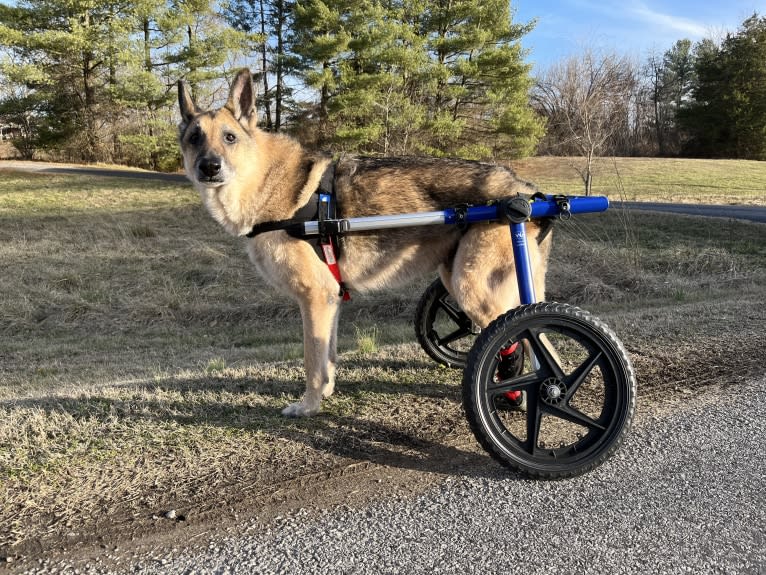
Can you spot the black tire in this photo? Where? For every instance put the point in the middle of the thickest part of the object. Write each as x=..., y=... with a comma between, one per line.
x=443, y=330
x=579, y=407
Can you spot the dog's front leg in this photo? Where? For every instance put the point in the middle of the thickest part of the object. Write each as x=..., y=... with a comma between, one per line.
x=319, y=313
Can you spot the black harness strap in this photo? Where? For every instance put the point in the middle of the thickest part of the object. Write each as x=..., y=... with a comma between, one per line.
x=309, y=212
x=294, y=225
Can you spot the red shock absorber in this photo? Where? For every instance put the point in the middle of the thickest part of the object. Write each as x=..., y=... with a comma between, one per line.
x=511, y=363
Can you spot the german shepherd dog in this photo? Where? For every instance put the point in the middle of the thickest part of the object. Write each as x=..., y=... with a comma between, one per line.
x=247, y=176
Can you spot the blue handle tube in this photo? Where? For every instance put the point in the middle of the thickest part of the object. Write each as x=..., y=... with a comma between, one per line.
x=539, y=209
x=472, y=214
x=577, y=205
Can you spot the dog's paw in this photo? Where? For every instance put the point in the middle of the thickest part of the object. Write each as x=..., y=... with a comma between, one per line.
x=300, y=409
x=327, y=389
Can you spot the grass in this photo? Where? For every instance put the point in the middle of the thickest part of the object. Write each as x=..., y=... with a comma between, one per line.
x=654, y=179
x=144, y=363
x=367, y=339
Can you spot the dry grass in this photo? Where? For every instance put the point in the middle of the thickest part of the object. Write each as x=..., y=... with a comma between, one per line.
x=623, y=258
x=654, y=179
x=144, y=363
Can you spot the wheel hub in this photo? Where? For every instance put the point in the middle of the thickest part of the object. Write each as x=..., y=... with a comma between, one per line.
x=553, y=391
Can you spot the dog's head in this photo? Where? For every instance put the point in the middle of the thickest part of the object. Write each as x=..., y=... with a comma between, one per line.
x=219, y=148
x=212, y=141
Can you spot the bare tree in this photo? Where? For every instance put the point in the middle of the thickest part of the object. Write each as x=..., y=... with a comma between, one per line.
x=655, y=76
x=587, y=100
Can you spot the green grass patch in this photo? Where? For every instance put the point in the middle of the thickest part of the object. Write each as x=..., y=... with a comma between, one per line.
x=367, y=339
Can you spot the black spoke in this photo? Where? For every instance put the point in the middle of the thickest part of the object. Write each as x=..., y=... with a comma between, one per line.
x=543, y=354
x=575, y=416
x=578, y=375
x=519, y=383
x=456, y=314
x=534, y=419
x=454, y=336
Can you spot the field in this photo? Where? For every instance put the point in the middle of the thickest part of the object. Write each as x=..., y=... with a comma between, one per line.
x=654, y=179
x=144, y=363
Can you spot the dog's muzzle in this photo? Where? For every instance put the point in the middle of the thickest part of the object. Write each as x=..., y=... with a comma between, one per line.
x=209, y=170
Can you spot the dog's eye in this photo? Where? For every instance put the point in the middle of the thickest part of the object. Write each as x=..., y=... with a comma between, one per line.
x=230, y=138
x=194, y=138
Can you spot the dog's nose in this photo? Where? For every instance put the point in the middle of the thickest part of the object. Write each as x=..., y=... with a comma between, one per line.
x=210, y=167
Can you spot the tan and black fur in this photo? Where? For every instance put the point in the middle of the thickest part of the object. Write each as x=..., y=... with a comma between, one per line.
x=247, y=176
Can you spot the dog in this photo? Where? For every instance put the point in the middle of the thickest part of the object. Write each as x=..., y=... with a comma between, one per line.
x=247, y=176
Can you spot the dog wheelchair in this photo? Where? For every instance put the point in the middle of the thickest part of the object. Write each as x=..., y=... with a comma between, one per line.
x=548, y=389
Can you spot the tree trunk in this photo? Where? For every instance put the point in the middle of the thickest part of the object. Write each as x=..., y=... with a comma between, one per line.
x=264, y=68
x=154, y=156
x=147, y=47
x=190, y=62
x=324, y=100
x=89, y=100
x=588, y=176
x=658, y=123
x=279, y=63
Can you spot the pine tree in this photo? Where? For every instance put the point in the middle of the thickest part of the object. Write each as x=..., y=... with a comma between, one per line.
x=100, y=74
x=322, y=32
x=679, y=75
x=671, y=79
x=417, y=76
x=704, y=120
x=60, y=51
x=168, y=41
x=372, y=110
x=728, y=115
x=480, y=103
x=268, y=22
x=745, y=60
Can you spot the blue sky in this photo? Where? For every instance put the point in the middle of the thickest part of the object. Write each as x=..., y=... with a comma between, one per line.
x=635, y=27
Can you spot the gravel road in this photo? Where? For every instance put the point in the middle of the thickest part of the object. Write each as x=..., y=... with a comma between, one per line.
x=685, y=494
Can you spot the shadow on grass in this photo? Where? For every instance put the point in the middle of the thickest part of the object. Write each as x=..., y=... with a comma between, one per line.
x=395, y=433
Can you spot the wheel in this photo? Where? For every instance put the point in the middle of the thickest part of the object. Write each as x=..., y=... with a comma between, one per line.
x=443, y=330
x=578, y=384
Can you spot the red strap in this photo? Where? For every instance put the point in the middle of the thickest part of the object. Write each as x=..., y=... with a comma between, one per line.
x=329, y=257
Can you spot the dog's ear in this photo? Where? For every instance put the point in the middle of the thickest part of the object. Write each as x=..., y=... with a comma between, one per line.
x=188, y=108
x=242, y=97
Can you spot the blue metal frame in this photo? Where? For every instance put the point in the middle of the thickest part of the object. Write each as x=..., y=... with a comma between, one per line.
x=523, y=266
x=548, y=208
x=551, y=206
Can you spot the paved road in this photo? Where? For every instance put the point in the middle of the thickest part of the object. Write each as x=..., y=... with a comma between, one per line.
x=685, y=494
x=75, y=170
x=752, y=213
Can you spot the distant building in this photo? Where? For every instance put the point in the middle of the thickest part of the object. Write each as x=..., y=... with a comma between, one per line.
x=9, y=131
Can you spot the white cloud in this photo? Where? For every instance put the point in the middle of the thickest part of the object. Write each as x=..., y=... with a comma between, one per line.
x=668, y=22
